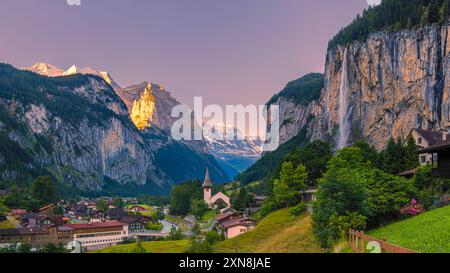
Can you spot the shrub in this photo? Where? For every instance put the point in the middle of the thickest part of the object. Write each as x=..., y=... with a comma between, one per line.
x=297, y=210
x=412, y=209
x=154, y=226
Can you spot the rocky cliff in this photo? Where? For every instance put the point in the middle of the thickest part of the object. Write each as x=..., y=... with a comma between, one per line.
x=75, y=129
x=384, y=87
x=149, y=107
x=377, y=89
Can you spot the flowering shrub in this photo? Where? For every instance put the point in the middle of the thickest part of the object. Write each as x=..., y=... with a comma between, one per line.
x=412, y=209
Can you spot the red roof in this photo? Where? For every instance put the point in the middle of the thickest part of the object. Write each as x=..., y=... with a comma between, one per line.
x=18, y=211
x=241, y=221
x=221, y=217
x=96, y=225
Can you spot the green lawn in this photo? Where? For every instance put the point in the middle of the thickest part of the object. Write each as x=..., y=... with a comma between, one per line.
x=148, y=212
x=150, y=247
x=279, y=232
x=428, y=232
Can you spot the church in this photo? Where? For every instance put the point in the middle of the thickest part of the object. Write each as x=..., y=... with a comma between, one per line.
x=219, y=200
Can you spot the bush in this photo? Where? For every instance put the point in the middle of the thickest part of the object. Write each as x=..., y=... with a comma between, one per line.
x=154, y=226
x=267, y=207
x=297, y=210
x=354, y=194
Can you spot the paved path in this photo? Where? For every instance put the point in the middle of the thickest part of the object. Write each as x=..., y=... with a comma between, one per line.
x=164, y=232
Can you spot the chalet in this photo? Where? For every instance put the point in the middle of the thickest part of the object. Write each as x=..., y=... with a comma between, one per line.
x=31, y=220
x=94, y=236
x=97, y=216
x=221, y=218
x=134, y=224
x=137, y=208
x=237, y=226
x=440, y=159
x=17, y=213
x=425, y=139
x=116, y=214
x=78, y=210
x=234, y=224
x=47, y=209
x=309, y=196
x=259, y=199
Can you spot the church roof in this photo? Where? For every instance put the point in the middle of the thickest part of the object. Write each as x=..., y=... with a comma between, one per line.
x=207, y=182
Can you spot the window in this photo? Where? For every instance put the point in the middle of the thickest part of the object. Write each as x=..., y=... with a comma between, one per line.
x=423, y=159
x=419, y=140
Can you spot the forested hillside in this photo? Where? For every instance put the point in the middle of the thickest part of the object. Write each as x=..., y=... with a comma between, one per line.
x=393, y=15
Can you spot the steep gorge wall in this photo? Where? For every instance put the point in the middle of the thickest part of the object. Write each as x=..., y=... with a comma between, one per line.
x=396, y=82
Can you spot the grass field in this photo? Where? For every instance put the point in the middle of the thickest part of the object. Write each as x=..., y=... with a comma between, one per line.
x=279, y=232
x=428, y=232
x=149, y=209
x=150, y=247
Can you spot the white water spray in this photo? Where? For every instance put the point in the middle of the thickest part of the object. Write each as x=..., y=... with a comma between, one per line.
x=344, y=128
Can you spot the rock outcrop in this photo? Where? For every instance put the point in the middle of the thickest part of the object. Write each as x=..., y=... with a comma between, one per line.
x=378, y=89
x=393, y=82
x=76, y=130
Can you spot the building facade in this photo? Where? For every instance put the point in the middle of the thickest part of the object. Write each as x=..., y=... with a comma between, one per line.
x=98, y=235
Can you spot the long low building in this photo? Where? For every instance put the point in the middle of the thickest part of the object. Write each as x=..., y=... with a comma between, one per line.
x=94, y=236
x=36, y=236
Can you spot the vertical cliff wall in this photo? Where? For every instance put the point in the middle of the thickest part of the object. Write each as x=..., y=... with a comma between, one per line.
x=394, y=82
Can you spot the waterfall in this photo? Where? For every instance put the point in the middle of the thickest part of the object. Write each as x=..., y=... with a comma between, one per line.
x=344, y=126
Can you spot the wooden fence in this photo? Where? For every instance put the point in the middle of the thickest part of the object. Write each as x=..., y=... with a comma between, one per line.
x=362, y=243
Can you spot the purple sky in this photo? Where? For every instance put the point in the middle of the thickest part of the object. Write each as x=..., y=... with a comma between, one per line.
x=228, y=51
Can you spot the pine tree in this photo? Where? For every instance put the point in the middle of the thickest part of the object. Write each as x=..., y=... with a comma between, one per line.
x=411, y=154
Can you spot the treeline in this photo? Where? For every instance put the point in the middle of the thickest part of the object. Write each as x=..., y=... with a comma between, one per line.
x=392, y=15
x=42, y=192
x=358, y=187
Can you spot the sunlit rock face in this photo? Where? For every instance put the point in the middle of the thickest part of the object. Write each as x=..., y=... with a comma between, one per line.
x=143, y=109
x=83, y=146
x=396, y=82
x=149, y=105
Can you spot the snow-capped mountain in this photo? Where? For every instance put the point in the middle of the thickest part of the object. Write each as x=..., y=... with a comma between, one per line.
x=235, y=155
x=149, y=107
x=45, y=69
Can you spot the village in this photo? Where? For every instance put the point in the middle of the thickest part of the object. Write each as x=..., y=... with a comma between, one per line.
x=93, y=224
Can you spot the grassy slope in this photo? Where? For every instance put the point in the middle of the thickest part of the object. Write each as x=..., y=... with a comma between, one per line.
x=279, y=232
x=151, y=247
x=428, y=232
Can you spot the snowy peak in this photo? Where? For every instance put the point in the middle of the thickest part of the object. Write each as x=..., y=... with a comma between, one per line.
x=234, y=155
x=77, y=70
x=53, y=71
x=45, y=69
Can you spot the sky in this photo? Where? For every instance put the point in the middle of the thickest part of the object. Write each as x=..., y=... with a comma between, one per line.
x=226, y=51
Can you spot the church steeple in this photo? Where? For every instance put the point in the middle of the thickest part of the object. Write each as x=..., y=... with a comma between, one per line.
x=207, y=182
x=207, y=188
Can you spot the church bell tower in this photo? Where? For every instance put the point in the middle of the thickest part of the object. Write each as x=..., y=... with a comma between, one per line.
x=207, y=188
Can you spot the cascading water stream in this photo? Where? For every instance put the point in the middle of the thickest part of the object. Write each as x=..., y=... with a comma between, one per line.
x=344, y=128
